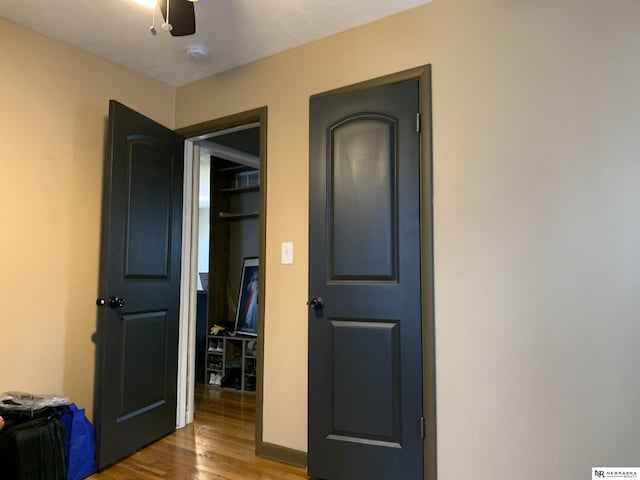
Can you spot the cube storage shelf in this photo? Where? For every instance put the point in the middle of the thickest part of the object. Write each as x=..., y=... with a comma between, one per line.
x=232, y=362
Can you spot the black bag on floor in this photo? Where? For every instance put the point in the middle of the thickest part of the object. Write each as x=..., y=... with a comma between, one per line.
x=32, y=449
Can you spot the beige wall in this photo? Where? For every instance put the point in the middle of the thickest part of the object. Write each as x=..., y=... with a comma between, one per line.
x=536, y=120
x=54, y=105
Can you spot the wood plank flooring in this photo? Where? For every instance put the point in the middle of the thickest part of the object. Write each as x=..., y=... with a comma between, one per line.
x=219, y=445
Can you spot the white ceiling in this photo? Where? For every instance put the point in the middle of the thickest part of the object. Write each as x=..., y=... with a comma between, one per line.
x=235, y=31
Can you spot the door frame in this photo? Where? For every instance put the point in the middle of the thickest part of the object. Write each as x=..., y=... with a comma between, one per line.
x=188, y=287
x=423, y=75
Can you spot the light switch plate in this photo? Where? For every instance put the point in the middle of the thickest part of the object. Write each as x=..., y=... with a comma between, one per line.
x=286, y=253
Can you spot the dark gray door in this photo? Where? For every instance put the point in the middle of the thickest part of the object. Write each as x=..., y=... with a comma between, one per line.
x=365, y=353
x=137, y=330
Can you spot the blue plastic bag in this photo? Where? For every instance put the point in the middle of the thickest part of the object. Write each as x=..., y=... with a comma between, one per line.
x=80, y=443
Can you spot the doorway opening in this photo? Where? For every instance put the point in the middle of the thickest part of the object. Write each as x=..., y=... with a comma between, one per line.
x=220, y=349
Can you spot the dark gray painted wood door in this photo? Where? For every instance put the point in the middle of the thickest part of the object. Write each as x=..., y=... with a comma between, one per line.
x=365, y=351
x=137, y=343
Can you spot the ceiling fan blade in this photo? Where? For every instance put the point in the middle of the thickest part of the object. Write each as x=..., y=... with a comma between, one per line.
x=181, y=16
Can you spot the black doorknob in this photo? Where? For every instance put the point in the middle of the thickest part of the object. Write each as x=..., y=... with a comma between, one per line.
x=114, y=302
x=316, y=303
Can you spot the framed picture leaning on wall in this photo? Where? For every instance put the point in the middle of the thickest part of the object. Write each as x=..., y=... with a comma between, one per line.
x=247, y=312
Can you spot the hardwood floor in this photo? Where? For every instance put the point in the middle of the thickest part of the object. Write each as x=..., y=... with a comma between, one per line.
x=219, y=445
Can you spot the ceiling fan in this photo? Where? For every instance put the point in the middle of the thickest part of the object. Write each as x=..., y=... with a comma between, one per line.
x=179, y=17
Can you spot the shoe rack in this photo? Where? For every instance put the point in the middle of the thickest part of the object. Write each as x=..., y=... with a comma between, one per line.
x=232, y=362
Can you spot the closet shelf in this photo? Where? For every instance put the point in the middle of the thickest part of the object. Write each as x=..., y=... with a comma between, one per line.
x=237, y=169
x=237, y=216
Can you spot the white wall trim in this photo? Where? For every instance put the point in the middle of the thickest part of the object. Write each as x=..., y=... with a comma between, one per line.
x=188, y=284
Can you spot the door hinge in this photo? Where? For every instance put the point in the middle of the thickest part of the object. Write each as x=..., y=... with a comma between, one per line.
x=422, y=428
x=418, y=122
